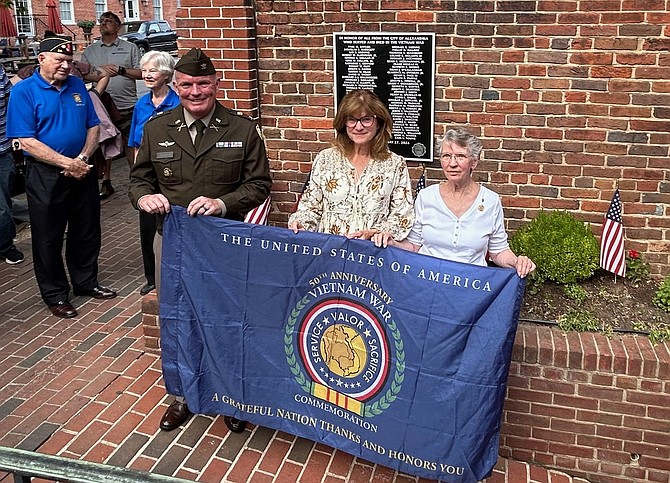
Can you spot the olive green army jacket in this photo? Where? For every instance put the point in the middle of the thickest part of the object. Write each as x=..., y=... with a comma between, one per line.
x=230, y=164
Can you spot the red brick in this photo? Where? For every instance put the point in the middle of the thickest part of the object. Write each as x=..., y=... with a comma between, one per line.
x=99, y=453
x=56, y=442
x=88, y=413
x=94, y=432
x=142, y=463
x=243, y=466
x=122, y=429
x=289, y=472
x=274, y=456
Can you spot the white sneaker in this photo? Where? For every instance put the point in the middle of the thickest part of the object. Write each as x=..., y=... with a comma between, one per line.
x=14, y=256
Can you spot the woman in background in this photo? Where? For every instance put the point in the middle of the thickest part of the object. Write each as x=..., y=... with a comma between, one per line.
x=157, y=71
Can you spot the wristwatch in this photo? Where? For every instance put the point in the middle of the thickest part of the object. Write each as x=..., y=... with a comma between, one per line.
x=122, y=70
x=83, y=157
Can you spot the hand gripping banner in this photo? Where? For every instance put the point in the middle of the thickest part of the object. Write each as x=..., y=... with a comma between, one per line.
x=399, y=358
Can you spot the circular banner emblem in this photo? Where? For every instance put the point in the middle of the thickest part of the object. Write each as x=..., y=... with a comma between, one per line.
x=344, y=354
x=343, y=345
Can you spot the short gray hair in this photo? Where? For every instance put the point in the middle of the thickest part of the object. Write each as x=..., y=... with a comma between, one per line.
x=463, y=138
x=163, y=61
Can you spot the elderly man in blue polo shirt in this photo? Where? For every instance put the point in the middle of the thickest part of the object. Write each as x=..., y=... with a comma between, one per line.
x=51, y=114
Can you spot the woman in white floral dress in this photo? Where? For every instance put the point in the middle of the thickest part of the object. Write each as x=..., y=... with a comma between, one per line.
x=358, y=187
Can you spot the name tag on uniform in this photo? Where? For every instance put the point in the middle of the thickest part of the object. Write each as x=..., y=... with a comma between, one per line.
x=165, y=155
x=229, y=144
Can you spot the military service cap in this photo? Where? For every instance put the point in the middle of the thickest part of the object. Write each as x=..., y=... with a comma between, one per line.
x=59, y=45
x=195, y=63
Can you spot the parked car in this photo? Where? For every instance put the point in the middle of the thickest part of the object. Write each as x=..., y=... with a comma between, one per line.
x=150, y=35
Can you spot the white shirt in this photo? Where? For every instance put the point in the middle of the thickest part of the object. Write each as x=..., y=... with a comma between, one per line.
x=467, y=239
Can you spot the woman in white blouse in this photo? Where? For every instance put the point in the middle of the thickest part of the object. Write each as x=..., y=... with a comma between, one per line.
x=458, y=219
x=358, y=187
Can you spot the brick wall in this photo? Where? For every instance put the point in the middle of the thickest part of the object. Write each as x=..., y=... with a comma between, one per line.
x=592, y=406
x=569, y=97
x=225, y=30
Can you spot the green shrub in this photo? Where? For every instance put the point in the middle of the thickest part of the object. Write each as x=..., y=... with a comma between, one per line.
x=563, y=248
x=582, y=321
x=575, y=292
x=658, y=332
x=637, y=270
x=662, y=297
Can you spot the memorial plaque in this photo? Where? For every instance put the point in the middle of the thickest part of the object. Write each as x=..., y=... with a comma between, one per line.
x=400, y=69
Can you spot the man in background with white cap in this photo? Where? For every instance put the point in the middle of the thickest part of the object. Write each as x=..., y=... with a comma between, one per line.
x=52, y=116
x=203, y=157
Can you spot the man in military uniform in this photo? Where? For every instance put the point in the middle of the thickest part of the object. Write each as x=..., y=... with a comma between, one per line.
x=203, y=157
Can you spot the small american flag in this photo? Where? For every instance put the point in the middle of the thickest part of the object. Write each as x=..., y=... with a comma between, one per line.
x=612, y=255
x=259, y=215
x=302, y=192
x=421, y=183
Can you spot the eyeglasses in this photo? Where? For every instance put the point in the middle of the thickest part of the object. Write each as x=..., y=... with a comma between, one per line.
x=366, y=121
x=459, y=157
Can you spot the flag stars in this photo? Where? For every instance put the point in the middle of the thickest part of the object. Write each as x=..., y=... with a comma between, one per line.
x=339, y=383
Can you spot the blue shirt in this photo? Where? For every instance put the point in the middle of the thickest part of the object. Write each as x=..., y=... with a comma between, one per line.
x=5, y=88
x=145, y=110
x=58, y=118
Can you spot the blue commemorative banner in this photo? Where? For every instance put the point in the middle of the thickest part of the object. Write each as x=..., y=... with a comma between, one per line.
x=398, y=358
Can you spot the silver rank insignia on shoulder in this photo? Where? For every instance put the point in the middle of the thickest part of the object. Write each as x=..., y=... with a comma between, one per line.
x=167, y=172
x=166, y=144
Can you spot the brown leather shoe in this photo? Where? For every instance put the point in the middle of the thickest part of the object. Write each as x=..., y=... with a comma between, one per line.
x=63, y=309
x=175, y=415
x=235, y=425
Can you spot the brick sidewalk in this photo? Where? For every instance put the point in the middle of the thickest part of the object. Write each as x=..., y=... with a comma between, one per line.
x=84, y=388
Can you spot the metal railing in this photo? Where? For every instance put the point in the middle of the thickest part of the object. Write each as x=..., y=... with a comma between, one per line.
x=25, y=465
x=36, y=25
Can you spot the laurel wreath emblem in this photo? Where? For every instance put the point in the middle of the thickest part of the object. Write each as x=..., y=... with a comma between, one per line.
x=288, y=345
x=371, y=410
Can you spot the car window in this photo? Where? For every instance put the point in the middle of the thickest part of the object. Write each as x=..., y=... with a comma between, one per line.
x=165, y=27
x=128, y=28
x=153, y=28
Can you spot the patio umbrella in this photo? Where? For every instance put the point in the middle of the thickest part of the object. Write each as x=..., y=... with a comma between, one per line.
x=7, y=25
x=53, y=17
